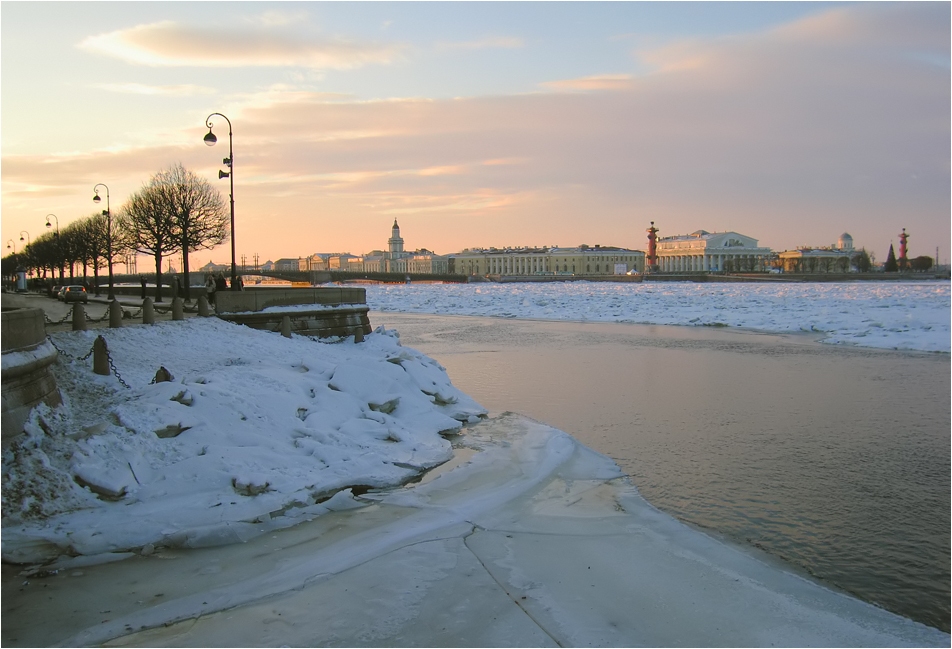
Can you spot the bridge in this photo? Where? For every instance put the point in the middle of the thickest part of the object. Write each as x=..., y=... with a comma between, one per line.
x=329, y=276
x=312, y=277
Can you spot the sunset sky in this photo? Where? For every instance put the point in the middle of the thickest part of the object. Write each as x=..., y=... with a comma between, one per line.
x=489, y=124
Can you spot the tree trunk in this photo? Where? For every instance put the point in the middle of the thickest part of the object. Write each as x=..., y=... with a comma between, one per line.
x=158, y=277
x=96, y=275
x=187, y=288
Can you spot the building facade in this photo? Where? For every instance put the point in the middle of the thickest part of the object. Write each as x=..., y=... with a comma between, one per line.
x=829, y=259
x=525, y=262
x=705, y=252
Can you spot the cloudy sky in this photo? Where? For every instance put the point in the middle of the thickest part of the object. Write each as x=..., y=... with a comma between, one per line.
x=489, y=124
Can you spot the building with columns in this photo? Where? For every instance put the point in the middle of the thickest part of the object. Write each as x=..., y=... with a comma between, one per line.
x=580, y=261
x=705, y=252
x=829, y=259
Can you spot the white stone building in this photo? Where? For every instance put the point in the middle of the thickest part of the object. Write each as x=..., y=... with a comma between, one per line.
x=703, y=252
x=524, y=262
x=425, y=262
x=829, y=259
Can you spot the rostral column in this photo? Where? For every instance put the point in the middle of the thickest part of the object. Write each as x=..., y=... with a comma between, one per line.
x=903, y=261
x=652, y=261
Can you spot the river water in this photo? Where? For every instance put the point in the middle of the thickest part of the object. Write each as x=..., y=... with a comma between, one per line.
x=835, y=459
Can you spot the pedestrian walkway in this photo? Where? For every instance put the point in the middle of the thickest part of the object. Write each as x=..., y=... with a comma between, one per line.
x=59, y=314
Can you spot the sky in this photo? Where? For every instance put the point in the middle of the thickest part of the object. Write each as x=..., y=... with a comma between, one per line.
x=489, y=124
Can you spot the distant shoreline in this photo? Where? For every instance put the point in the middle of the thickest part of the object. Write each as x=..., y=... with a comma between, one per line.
x=708, y=277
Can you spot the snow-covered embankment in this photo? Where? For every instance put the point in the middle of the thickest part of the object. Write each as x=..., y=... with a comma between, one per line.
x=254, y=432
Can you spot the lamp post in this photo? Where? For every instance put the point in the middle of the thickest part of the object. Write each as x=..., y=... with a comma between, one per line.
x=22, y=232
x=56, y=235
x=11, y=244
x=108, y=214
x=210, y=140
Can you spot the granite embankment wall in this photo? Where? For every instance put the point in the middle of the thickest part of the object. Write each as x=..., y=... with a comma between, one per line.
x=26, y=376
x=340, y=311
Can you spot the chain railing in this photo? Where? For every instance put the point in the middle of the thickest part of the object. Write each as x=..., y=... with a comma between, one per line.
x=112, y=366
x=92, y=350
x=69, y=316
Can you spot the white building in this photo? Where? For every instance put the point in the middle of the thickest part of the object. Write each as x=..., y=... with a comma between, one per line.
x=829, y=259
x=702, y=252
x=425, y=262
x=582, y=260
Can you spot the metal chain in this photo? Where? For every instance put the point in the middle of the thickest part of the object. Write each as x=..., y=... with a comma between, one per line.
x=53, y=322
x=56, y=347
x=92, y=349
x=67, y=354
x=112, y=366
x=88, y=354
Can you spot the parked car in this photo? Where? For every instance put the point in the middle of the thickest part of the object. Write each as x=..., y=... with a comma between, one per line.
x=75, y=293
x=55, y=291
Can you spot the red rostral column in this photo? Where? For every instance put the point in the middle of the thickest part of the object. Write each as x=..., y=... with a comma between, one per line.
x=903, y=262
x=652, y=248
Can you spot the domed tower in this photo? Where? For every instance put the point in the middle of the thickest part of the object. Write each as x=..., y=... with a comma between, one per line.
x=395, y=241
x=845, y=242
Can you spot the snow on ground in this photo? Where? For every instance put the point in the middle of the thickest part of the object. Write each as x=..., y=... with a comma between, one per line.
x=255, y=432
x=888, y=315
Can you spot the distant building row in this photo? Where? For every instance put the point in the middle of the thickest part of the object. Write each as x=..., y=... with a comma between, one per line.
x=698, y=252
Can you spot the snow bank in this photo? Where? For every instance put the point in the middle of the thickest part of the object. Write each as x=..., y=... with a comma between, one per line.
x=254, y=432
x=889, y=315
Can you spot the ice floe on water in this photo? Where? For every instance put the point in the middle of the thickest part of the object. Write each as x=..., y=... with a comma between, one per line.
x=254, y=432
x=887, y=315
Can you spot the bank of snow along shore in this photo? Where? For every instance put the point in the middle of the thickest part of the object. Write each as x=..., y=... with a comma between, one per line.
x=253, y=432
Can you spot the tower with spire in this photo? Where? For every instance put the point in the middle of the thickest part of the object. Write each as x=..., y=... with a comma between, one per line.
x=395, y=242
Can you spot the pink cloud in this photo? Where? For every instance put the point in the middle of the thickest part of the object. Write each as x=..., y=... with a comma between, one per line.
x=170, y=44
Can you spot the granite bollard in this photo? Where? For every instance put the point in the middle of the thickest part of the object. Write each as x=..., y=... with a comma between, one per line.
x=79, y=317
x=100, y=356
x=148, y=312
x=115, y=314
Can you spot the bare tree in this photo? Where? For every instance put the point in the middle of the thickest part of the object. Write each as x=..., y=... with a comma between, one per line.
x=95, y=230
x=196, y=210
x=145, y=222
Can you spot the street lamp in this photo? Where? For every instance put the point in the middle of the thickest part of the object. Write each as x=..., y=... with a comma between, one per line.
x=22, y=232
x=210, y=140
x=108, y=214
x=12, y=244
x=56, y=234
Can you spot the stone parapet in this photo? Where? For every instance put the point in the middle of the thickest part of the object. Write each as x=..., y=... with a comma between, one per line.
x=262, y=298
x=26, y=376
x=337, y=311
x=348, y=320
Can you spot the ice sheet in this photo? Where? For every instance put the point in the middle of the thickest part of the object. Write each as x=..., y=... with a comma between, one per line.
x=891, y=315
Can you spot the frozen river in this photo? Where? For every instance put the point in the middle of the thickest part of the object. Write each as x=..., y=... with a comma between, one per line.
x=832, y=457
x=890, y=315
